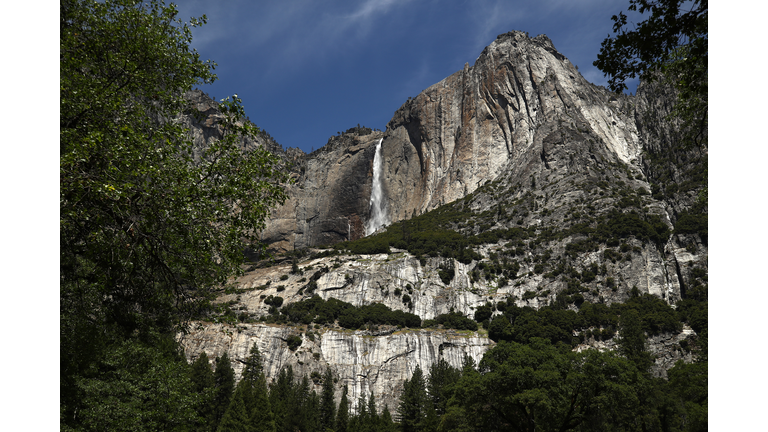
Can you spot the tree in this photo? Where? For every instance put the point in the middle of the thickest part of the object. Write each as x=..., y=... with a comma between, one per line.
x=632, y=341
x=414, y=405
x=282, y=397
x=387, y=425
x=236, y=418
x=253, y=365
x=224, y=377
x=342, y=416
x=672, y=44
x=441, y=376
x=149, y=223
x=261, y=417
x=654, y=43
x=255, y=394
x=143, y=386
x=327, y=404
x=203, y=383
x=374, y=422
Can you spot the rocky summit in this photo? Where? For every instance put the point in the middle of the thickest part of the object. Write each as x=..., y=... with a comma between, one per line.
x=512, y=182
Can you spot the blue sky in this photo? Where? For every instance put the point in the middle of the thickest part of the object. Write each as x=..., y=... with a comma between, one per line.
x=307, y=69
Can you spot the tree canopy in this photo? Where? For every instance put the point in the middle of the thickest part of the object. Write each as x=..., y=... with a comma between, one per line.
x=149, y=223
x=671, y=44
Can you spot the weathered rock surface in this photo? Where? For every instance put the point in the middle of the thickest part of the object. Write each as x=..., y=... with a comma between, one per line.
x=479, y=122
x=523, y=140
x=366, y=362
x=367, y=279
x=665, y=348
x=379, y=361
x=516, y=101
x=330, y=201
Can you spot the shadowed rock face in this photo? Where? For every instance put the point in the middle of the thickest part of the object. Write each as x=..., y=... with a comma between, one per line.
x=330, y=201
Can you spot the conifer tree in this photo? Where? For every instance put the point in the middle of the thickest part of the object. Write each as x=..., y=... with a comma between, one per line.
x=327, y=404
x=342, y=417
x=413, y=407
x=236, y=418
x=281, y=396
x=203, y=383
x=261, y=416
x=201, y=373
x=441, y=375
x=387, y=424
x=296, y=408
x=310, y=418
x=253, y=365
x=359, y=422
x=224, y=377
x=373, y=417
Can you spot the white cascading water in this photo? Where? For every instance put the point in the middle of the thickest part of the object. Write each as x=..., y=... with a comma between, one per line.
x=378, y=207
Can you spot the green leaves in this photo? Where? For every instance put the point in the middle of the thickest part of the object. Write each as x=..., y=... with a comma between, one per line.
x=671, y=45
x=653, y=42
x=150, y=223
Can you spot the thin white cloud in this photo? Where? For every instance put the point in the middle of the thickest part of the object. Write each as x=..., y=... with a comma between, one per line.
x=370, y=8
x=326, y=31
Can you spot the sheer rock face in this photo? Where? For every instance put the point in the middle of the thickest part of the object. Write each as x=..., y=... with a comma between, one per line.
x=501, y=114
x=330, y=200
x=379, y=360
x=484, y=120
x=521, y=117
x=366, y=362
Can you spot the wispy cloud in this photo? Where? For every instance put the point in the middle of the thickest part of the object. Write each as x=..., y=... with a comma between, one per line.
x=371, y=8
x=290, y=34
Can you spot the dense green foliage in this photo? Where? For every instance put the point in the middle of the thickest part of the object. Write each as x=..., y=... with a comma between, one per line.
x=452, y=320
x=540, y=386
x=319, y=311
x=597, y=320
x=536, y=385
x=670, y=44
x=669, y=48
x=149, y=225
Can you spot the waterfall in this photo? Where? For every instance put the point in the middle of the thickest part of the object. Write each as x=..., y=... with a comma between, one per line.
x=378, y=213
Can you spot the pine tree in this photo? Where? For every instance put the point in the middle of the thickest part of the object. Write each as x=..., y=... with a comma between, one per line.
x=224, y=377
x=203, y=382
x=201, y=374
x=262, y=418
x=387, y=424
x=441, y=375
x=236, y=418
x=281, y=396
x=327, y=404
x=412, y=408
x=295, y=414
x=342, y=417
x=373, y=417
x=253, y=365
x=311, y=413
x=360, y=421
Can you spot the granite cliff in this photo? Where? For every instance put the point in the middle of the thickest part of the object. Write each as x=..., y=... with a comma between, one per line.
x=563, y=191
